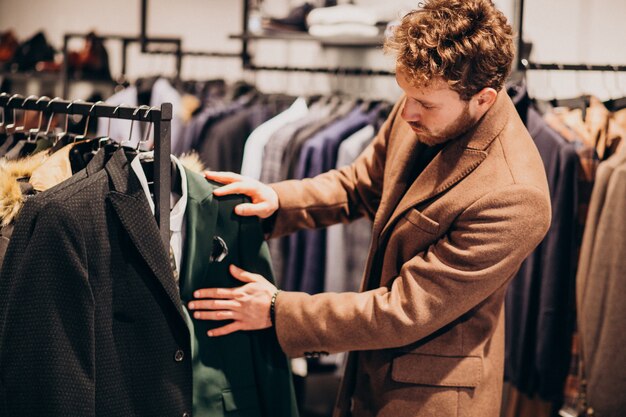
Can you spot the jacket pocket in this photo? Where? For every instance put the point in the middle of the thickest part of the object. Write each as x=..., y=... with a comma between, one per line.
x=239, y=399
x=435, y=370
x=416, y=218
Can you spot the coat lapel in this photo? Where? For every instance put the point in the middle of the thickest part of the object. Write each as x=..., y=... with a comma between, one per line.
x=450, y=166
x=396, y=184
x=201, y=219
x=130, y=204
x=457, y=160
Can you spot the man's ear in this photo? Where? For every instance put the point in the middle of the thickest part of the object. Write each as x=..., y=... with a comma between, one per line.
x=486, y=97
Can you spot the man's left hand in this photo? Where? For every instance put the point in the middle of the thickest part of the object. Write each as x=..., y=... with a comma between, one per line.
x=247, y=306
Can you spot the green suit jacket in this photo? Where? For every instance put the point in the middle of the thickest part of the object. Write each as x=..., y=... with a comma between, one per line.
x=244, y=373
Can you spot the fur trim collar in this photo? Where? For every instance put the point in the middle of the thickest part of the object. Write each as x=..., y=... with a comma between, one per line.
x=11, y=198
x=192, y=162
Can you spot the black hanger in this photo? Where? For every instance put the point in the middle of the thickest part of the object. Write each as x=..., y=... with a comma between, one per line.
x=616, y=104
x=3, y=110
x=581, y=103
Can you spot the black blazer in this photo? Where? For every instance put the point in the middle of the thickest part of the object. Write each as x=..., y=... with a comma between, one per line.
x=91, y=322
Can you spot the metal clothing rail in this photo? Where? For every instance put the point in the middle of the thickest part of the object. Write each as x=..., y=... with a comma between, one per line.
x=527, y=65
x=160, y=118
x=335, y=71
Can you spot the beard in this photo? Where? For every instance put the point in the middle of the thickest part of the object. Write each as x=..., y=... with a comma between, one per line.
x=456, y=128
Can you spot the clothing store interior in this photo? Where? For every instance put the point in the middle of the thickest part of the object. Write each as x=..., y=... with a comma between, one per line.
x=287, y=89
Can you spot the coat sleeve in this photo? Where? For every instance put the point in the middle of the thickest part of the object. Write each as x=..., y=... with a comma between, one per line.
x=46, y=316
x=482, y=250
x=338, y=195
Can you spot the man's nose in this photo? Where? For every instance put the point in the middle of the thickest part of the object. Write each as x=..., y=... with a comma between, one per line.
x=410, y=112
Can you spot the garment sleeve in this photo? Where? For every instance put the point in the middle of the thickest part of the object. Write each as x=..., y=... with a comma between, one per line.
x=338, y=195
x=480, y=253
x=47, y=312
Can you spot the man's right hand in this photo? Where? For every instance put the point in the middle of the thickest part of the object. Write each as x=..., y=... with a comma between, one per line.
x=264, y=198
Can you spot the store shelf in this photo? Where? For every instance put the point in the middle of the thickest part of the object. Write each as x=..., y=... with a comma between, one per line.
x=30, y=75
x=343, y=41
x=48, y=76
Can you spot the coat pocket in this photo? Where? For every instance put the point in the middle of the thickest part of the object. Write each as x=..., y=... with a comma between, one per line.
x=425, y=223
x=435, y=370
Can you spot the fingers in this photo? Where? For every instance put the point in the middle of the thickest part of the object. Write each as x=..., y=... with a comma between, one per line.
x=214, y=315
x=244, y=276
x=228, y=329
x=213, y=305
x=225, y=293
x=238, y=187
x=223, y=177
x=261, y=210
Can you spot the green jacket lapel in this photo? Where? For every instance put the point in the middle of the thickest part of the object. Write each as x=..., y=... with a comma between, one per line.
x=200, y=222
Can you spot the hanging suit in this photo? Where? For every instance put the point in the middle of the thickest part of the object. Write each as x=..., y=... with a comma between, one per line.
x=91, y=322
x=244, y=373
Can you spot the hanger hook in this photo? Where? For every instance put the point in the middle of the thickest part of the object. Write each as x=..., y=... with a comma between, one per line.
x=2, y=95
x=32, y=131
x=87, y=122
x=52, y=114
x=132, y=122
x=13, y=124
x=147, y=137
x=26, y=100
x=114, y=113
x=67, y=115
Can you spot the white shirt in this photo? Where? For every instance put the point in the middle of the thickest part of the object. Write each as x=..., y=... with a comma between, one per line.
x=253, y=150
x=178, y=205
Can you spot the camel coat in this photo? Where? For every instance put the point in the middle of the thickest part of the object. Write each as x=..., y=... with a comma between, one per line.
x=426, y=333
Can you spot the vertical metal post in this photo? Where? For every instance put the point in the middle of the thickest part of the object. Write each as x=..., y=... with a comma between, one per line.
x=520, y=35
x=162, y=171
x=144, y=18
x=245, y=57
x=124, y=57
x=65, y=73
x=179, y=59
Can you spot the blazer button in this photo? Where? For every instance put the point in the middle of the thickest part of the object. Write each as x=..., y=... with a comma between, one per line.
x=179, y=355
x=186, y=414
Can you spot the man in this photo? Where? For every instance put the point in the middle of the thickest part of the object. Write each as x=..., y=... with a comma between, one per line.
x=458, y=196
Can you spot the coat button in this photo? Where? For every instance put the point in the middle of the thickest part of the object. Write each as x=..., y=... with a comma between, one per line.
x=186, y=414
x=179, y=355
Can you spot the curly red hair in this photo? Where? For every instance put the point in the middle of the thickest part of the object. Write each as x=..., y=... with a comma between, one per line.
x=466, y=42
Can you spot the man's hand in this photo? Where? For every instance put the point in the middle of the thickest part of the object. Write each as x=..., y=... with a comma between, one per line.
x=248, y=306
x=264, y=198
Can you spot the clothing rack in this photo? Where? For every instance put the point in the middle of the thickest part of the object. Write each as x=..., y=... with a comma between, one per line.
x=524, y=64
x=160, y=118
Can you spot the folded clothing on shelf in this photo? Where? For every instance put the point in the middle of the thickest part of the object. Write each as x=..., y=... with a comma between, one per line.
x=295, y=21
x=344, y=30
